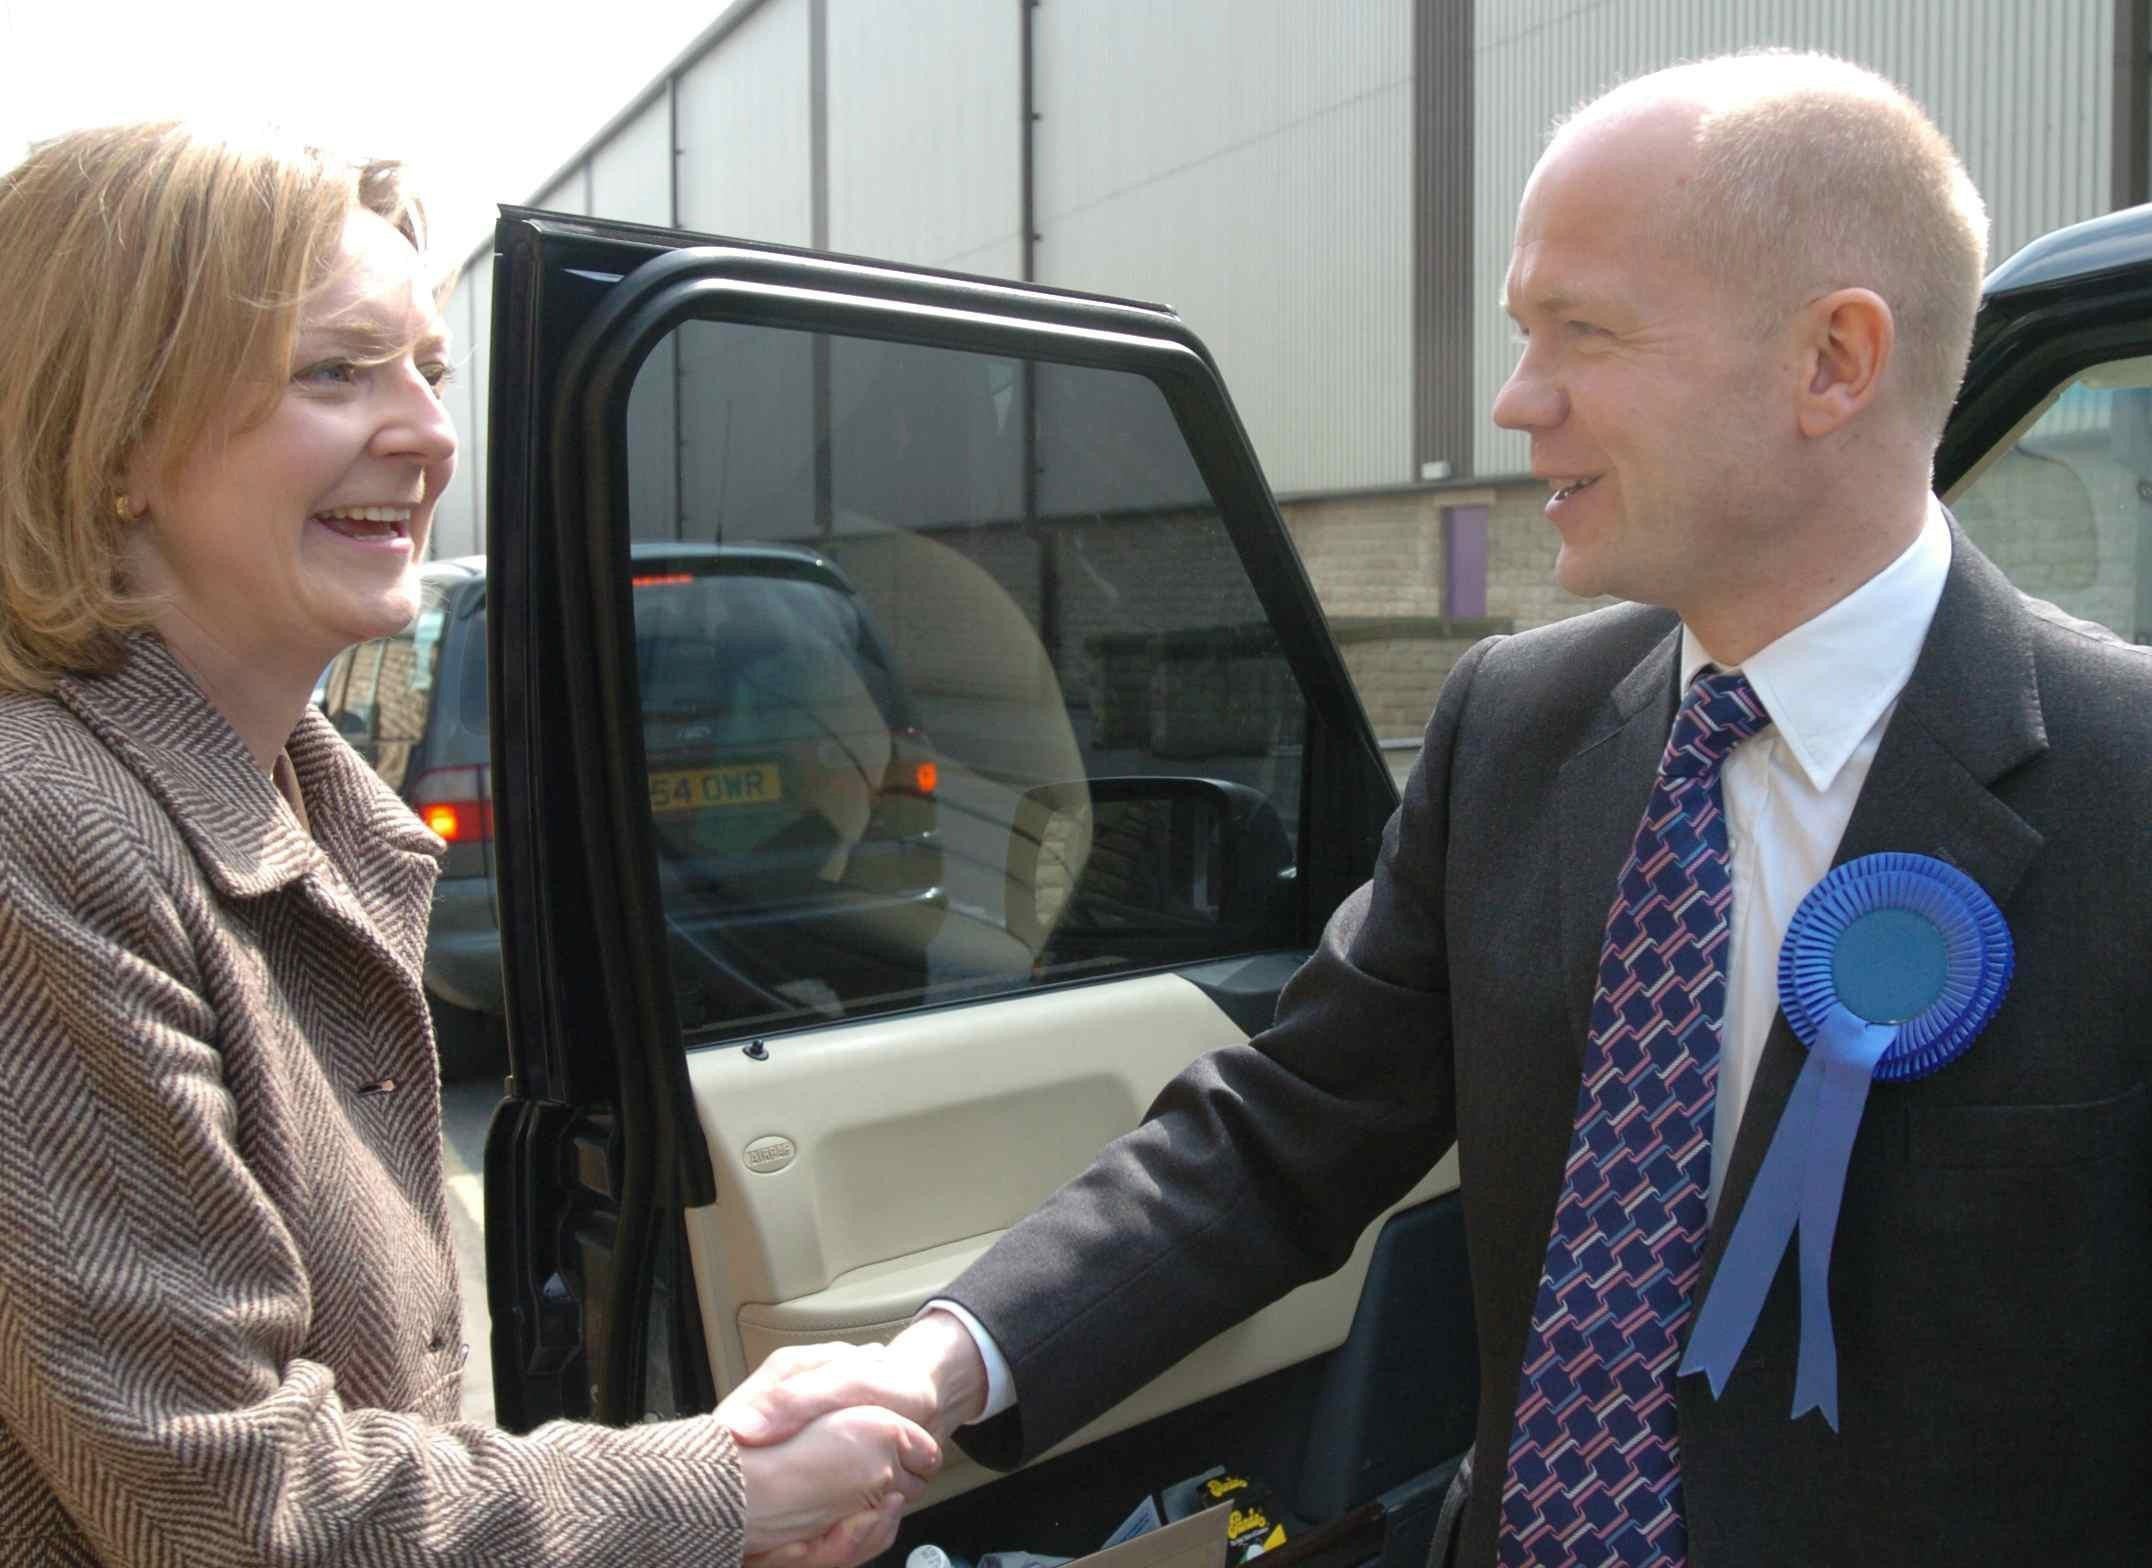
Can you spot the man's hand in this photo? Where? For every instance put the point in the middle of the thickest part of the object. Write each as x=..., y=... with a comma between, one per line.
x=832, y=1494
x=931, y=1373
x=800, y=1391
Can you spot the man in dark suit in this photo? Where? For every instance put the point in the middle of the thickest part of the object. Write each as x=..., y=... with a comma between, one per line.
x=1746, y=289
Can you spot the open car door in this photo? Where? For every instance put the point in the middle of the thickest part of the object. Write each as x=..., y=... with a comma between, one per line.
x=915, y=741
x=2047, y=461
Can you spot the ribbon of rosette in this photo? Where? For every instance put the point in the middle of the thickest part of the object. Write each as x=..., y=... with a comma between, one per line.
x=1890, y=967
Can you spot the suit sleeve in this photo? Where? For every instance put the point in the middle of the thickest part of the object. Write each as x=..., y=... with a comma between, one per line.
x=1258, y=1167
x=153, y=1310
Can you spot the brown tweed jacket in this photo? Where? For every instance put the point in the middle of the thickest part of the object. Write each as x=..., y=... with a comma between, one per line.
x=228, y=1312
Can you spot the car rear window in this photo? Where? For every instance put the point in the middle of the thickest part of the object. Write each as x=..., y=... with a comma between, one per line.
x=763, y=654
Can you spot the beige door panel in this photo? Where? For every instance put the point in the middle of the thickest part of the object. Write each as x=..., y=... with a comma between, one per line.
x=1309, y=1321
x=887, y=1155
x=867, y=1304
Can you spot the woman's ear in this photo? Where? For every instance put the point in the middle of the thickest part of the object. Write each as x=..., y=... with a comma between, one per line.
x=141, y=479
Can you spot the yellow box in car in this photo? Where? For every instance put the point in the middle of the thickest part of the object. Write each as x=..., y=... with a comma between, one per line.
x=702, y=789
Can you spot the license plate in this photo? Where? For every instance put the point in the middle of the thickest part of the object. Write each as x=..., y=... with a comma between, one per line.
x=704, y=789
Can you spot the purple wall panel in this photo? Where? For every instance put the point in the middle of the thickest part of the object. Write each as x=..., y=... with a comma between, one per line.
x=1464, y=561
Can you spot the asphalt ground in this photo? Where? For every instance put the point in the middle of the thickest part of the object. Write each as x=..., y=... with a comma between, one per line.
x=465, y=1110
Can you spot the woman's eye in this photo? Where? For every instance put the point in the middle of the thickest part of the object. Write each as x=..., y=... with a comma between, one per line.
x=437, y=375
x=330, y=372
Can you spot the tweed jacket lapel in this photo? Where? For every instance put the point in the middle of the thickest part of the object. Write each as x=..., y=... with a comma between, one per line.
x=377, y=847
x=153, y=717
x=1600, y=793
x=1969, y=714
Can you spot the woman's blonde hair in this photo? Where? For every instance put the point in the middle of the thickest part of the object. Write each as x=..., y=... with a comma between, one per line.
x=153, y=274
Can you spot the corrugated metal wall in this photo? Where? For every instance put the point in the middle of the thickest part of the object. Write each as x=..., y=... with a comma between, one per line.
x=631, y=173
x=1445, y=302
x=569, y=193
x=745, y=131
x=925, y=140
x=457, y=529
x=1248, y=162
x=628, y=176
x=2024, y=90
x=631, y=178
x=455, y=520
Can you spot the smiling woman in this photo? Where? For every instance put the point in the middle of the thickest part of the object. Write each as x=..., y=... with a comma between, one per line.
x=230, y=1304
x=292, y=530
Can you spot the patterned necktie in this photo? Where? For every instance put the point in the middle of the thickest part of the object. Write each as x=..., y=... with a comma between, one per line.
x=1594, y=1476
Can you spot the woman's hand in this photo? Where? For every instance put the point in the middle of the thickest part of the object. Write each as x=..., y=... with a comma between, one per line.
x=833, y=1493
x=932, y=1372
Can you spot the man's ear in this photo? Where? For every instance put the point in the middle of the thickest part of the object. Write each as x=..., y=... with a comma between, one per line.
x=1849, y=335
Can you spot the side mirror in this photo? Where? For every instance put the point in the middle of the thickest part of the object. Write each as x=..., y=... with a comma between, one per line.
x=1148, y=867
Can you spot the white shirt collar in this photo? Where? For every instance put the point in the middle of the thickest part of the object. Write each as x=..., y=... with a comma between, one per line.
x=1826, y=682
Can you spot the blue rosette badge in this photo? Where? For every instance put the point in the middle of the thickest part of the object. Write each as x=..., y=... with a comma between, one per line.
x=1890, y=967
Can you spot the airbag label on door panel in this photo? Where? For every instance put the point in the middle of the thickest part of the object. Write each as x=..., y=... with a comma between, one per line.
x=769, y=1154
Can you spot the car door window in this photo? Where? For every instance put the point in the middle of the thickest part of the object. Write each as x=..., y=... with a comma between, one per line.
x=952, y=681
x=2063, y=504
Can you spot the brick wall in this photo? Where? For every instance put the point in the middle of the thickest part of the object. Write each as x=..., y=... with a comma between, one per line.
x=2065, y=525
x=2070, y=522
x=1377, y=563
x=1372, y=555
x=1521, y=547
x=1156, y=642
x=1398, y=663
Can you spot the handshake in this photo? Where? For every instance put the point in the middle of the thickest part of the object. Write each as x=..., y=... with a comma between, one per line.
x=836, y=1440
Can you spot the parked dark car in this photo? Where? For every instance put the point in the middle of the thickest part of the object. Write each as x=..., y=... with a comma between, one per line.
x=791, y=789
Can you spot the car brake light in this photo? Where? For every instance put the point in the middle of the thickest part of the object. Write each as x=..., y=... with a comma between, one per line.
x=912, y=769
x=457, y=803
x=661, y=579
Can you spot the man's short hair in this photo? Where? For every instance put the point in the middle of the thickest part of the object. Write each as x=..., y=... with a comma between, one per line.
x=1813, y=174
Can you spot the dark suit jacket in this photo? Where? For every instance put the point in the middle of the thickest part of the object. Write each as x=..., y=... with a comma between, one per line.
x=1992, y=1284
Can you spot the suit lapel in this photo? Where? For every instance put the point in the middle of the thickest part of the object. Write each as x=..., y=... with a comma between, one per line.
x=1600, y=795
x=1969, y=714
